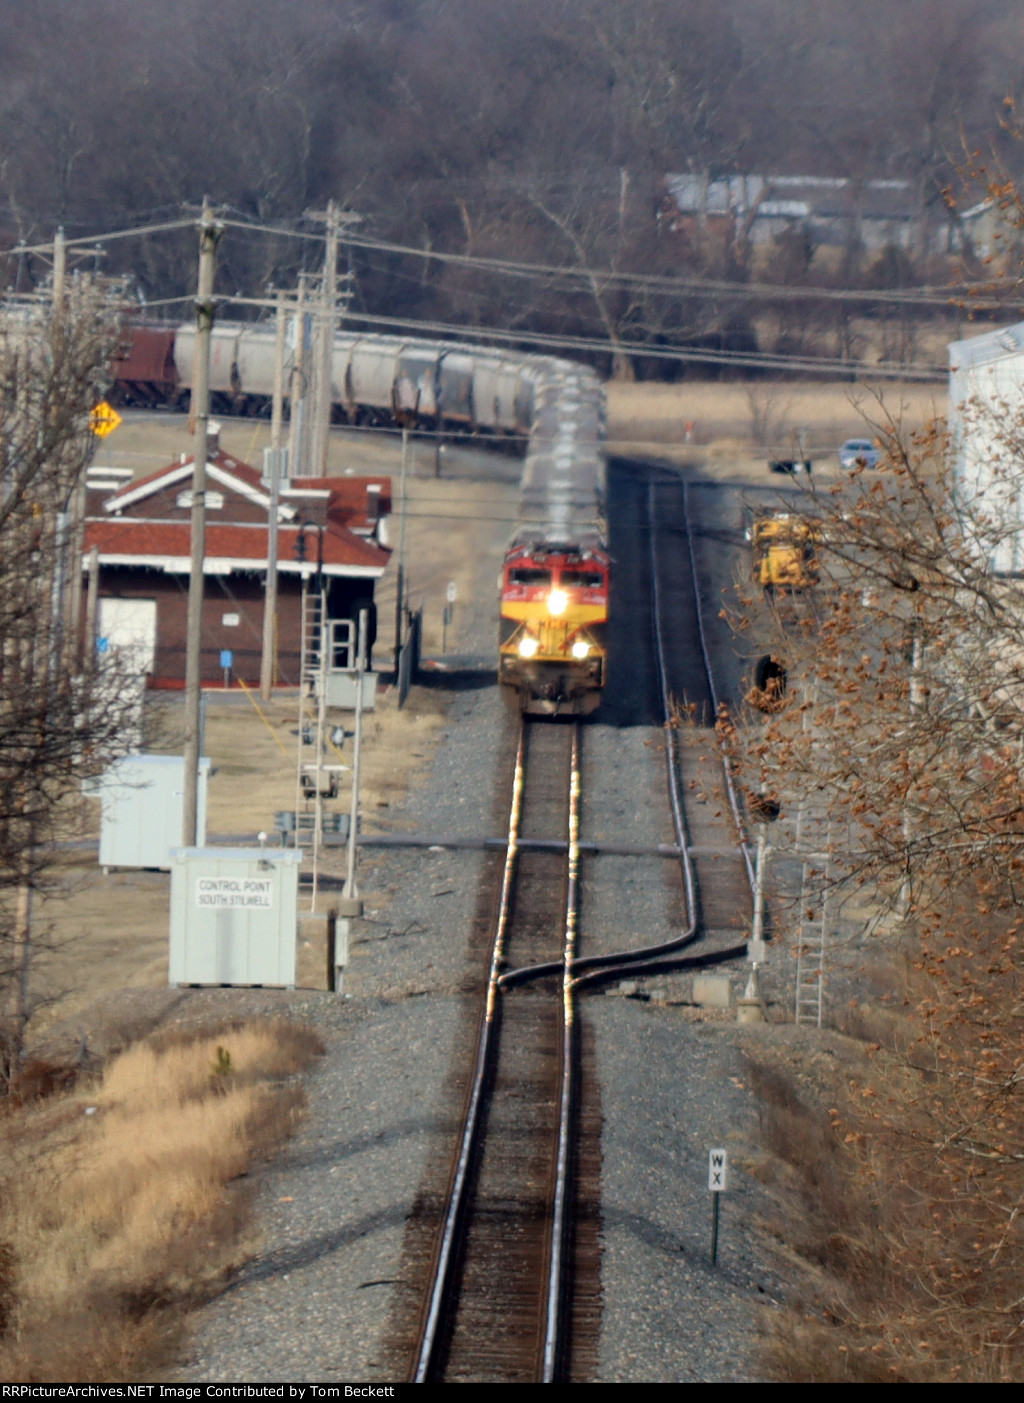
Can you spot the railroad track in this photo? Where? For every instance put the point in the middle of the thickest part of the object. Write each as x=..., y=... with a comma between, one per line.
x=721, y=876
x=514, y=1290
x=498, y=1306
x=715, y=863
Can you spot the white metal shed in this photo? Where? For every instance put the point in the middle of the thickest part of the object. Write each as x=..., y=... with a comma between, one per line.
x=986, y=425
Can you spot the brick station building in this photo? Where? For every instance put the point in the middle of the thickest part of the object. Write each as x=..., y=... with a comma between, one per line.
x=138, y=538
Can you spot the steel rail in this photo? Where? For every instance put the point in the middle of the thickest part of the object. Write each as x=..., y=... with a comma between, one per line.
x=426, y=1353
x=650, y=960
x=734, y=803
x=598, y=966
x=455, y=1208
x=566, y=1106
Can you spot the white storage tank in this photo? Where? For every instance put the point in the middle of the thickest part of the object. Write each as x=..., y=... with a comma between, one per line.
x=234, y=916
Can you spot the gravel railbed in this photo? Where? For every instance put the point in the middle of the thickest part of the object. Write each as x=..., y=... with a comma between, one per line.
x=315, y=1302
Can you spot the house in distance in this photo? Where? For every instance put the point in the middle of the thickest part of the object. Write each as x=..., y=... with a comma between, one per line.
x=137, y=539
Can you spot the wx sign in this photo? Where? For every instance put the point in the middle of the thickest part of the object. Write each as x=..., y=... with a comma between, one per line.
x=718, y=1171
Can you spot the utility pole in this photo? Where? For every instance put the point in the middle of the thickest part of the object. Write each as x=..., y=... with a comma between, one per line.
x=297, y=425
x=60, y=269
x=209, y=237
x=44, y=652
x=324, y=368
x=400, y=575
x=277, y=409
x=323, y=354
x=67, y=585
x=273, y=458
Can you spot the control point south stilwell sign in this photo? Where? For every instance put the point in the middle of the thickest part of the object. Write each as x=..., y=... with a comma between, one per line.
x=104, y=419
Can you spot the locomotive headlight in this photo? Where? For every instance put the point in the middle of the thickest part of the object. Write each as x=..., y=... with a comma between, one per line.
x=580, y=648
x=558, y=601
x=528, y=646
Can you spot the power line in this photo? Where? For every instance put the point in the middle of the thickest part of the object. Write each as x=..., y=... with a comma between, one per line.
x=696, y=355
x=92, y=240
x=655, y=350
x=925, y=295
x=814, y=365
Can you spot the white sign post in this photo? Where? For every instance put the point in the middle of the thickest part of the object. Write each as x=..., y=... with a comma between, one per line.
x=718, y=1183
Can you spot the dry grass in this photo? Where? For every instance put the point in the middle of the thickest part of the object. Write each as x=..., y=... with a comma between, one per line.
x=894, y=1168
x=121, y=1205
x=745, y=418
x=253, y=754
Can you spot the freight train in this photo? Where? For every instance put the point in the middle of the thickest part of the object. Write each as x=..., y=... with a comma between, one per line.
x=556, y=574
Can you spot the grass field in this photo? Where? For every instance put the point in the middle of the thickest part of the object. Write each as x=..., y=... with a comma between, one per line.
x=755, y=418
x=120, y=1205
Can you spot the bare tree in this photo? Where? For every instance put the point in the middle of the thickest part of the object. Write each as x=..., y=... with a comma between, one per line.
x=61, y=720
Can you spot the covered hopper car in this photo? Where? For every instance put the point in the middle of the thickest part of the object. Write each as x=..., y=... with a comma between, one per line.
x=555, y=577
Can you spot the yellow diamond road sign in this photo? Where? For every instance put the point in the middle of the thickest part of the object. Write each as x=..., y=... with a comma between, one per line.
x=104, y=419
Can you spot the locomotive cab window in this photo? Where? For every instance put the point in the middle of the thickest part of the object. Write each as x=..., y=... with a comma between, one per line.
x=528, y=575
x=582, y=579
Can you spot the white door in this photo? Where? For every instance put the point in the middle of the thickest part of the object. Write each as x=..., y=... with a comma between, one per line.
x=127, y=628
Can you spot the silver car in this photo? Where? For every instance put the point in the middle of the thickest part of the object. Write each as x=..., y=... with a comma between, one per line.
x=859, y=453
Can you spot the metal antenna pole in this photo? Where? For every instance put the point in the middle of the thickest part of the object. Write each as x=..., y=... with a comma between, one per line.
x=209, y=237
x=320, y=735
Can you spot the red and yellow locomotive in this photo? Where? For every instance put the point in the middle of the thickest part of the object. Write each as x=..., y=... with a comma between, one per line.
x=554, y=610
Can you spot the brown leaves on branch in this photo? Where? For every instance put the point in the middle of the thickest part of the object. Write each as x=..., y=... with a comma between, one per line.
x=902, y=749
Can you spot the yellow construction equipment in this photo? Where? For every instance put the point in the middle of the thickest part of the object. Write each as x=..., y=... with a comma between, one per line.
x=785, y=550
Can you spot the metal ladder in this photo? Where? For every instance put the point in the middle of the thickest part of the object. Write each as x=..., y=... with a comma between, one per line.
x=811, y=938
x=311, y=777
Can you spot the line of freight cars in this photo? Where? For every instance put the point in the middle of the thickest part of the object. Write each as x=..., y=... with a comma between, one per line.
x=375, y=379
x=555, y=577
